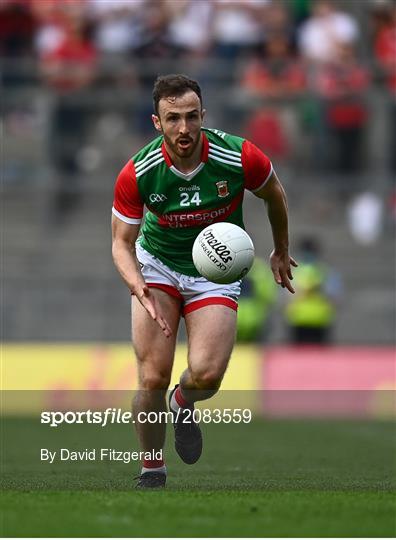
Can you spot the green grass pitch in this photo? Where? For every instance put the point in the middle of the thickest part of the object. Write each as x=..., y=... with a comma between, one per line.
x=269, y=478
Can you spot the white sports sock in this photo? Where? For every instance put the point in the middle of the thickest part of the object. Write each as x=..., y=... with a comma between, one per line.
x=154, y=469
x=174, y=404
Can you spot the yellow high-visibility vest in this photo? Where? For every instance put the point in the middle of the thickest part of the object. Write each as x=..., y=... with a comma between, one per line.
x=313, y=310
x=310, y=306
x=253, y=310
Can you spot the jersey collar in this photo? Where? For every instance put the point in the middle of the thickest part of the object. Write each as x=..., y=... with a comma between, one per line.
x=204, y=159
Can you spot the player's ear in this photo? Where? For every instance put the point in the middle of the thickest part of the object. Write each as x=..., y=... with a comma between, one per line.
x=156, y=122
x=203, y=112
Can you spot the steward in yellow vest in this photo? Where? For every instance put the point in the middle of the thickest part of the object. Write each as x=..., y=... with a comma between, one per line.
x=258, y=294
x=310, y=313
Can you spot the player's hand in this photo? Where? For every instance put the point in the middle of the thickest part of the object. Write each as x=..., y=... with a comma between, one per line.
x=149, y=302
x=281, y=264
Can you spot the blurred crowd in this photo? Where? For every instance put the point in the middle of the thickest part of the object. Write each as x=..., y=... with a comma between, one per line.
x=278, y=40
x=325, y=53
x=316, y=59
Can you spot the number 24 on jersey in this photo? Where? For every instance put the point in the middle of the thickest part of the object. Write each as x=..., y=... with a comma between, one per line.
x=186, y=201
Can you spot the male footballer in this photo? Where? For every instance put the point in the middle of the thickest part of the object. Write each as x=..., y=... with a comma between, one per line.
x=188, y=177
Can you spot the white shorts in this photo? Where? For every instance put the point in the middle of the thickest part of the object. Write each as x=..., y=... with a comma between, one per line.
x=194, y=292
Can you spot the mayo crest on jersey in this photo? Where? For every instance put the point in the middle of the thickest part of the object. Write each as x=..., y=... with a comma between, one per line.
x=180, y=205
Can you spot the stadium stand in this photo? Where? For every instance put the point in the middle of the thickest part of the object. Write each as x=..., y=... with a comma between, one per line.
x=58, y=278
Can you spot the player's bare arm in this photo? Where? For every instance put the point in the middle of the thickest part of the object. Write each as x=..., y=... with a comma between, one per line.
x=275, y=198
x=124, y=236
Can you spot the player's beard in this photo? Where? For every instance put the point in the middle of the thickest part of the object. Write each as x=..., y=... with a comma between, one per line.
x=179, y=151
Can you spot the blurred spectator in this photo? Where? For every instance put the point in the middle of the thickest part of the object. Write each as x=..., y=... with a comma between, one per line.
x=69, y=71
x=341, y=84
x=324, y=30
x=237, y=27
x=71, y=66
x=277, y=23
x=264, y=128
x=274, y=76
x=154, y=43
x=190, y=26
x=385, y=54
x=118, y=25
x=379, y=11
x=385, y=48
x=365, y=218
x=258, y=295
x=301, y=10
x=51, y=33
x=310, y=314
x=53, y=22
x=17, y=30
x=275, y=73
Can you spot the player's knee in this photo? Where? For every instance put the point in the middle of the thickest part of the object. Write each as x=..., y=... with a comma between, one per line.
x=154, y=380
x=207, y=379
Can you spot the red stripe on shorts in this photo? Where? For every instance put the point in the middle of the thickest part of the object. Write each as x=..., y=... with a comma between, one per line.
x=172, y=291
x=214, y=300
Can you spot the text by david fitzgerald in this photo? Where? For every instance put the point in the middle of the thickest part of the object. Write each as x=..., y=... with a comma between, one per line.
x=97, y=454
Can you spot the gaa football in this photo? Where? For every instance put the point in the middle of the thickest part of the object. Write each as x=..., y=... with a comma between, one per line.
x=223, y=253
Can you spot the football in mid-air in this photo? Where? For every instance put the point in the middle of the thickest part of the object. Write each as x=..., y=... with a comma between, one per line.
x=223, y=253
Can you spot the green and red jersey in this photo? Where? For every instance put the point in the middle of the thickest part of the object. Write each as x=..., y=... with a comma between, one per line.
x=180, y=205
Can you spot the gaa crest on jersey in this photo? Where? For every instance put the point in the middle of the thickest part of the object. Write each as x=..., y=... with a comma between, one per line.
x=157, y=197
x=222, y=188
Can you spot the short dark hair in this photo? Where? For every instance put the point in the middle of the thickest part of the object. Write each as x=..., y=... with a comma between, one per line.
x=173, y=85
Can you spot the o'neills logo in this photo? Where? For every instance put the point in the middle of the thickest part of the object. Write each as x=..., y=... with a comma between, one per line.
x=221, y=249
